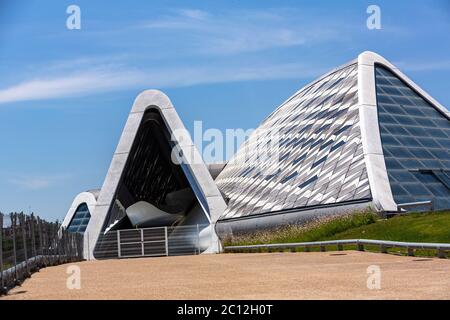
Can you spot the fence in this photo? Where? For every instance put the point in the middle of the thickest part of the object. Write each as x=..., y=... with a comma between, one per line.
x=426, y=204
x=150, y=242
x=441, y=248
x=28, y=243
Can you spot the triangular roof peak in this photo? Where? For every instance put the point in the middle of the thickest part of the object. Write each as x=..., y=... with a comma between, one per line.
x=366, y=63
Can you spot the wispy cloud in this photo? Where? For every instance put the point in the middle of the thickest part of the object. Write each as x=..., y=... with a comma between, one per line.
x=234, y=32
x=118, y=78
x=437, y=65
x=67, y=85
x=37, y=182
x=193, y=13
x=185, y=37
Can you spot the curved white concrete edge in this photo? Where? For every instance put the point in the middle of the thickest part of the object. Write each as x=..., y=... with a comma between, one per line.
x=369, y=58
x=370, y=131
x=144, y=101
x=91, y=201
x=84, y=197
x=380, y=187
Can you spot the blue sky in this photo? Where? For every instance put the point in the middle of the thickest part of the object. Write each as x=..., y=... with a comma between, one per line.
x=65, y=94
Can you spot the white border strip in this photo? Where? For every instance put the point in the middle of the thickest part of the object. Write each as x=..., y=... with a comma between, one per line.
x=90, y=199
x=144, y=101
x=370, y=131
x=84, y=197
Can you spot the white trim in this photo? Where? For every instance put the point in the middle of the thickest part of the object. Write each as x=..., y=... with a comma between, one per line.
x=370, y=132
x=157, y=100
x=90, y=199
x=84, y=197
x=369, y=58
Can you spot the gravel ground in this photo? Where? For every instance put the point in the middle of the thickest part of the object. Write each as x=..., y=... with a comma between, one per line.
x=315, y=275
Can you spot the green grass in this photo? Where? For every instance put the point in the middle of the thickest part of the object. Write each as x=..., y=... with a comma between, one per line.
x=413, y=227
x=317, y=230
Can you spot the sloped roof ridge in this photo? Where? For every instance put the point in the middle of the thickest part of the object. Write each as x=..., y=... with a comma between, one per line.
x=341, y=67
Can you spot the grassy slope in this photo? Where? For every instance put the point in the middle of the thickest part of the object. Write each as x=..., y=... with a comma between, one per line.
x=414, y=227
x=314, y=231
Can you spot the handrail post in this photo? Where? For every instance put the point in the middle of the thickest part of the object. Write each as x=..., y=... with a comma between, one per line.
x=119, y=253
x=88, y=247
x=41, y=244
x=142, y=243
x=198, y=239
x=29, y=226
x=69, y=246
x=360, y=246
x=33, y=240
x=66, y=246
x=76, y=247
x=167, y=241
x=59, y=243
x=13, y=229
x=24, y=240
x=46, y=243
x=81, y=247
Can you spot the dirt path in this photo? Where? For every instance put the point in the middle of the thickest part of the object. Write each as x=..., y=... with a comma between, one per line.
x=312, y=275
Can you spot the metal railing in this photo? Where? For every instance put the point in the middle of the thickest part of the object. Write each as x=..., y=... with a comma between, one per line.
x=441, y=248
x=429, y=204
x=28, y=243
x=149, y=242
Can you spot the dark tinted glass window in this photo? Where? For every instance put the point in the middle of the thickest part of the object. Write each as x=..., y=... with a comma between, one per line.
x=80, y=219
x=416, y=150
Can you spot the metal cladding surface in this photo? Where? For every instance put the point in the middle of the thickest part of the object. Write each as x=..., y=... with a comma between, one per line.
x=320, y=156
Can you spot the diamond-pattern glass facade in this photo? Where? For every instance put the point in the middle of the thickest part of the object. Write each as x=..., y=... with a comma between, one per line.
x=80, y=219
x=416, y=143
x=320, y=157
